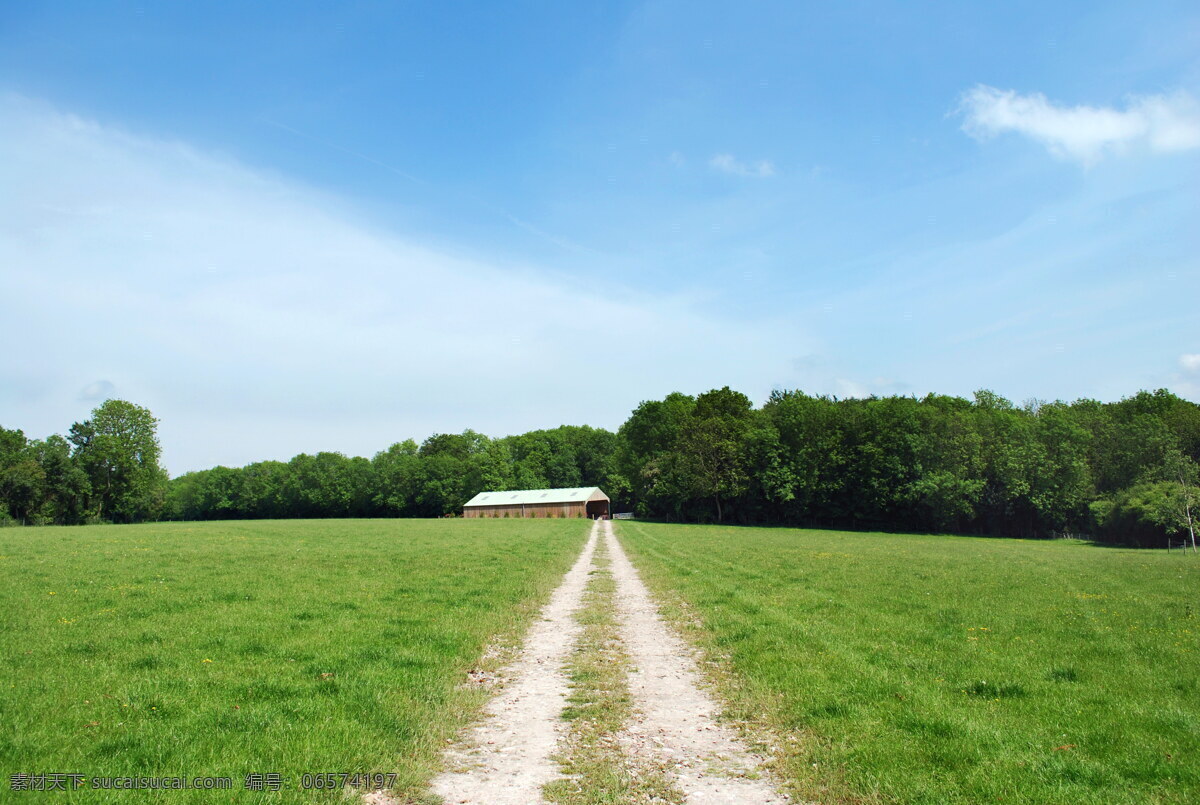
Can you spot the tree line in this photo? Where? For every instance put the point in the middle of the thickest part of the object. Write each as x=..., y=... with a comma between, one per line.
x=433, y=479
x=1123, y=472
x=105, y=470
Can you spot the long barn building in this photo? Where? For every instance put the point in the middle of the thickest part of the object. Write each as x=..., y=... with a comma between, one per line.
x=583, y=501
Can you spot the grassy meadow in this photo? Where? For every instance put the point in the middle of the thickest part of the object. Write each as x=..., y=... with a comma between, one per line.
x=933, y=669
x=230, y=648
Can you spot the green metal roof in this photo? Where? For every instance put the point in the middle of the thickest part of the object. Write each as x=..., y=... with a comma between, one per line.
x=529, y=497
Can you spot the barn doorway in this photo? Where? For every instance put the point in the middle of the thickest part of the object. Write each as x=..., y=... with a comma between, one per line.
x=597, y=508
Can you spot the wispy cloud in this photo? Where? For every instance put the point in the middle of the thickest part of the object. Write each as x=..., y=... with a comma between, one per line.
x=1159, y=123
x=259, y=318
x=1190, y=363
x=97, y=392
x=728, y=163
x=879, y=386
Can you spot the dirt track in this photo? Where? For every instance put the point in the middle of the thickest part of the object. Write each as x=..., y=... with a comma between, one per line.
x=507, y=758
x=677, y=721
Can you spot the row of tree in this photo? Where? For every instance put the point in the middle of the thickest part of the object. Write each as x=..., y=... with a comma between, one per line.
x=105, y=470
x=406, y=480
x=1123, y=472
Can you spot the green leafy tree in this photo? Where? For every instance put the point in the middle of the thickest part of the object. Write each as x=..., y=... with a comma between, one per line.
x=812, y=455
x=21, y=480
x=950, y=460
x=1178, y=509
x=185, y=497
x=264, y=489
x=443, y=486
x=23, y=487
x=647, y=442
x=66, y=488
x=1148, y=514
x=398, y=479
x=490, y=468
x=322, y=485
x=711, y=461
x=117, y=448
x=1061, y=483
x=1010, y=447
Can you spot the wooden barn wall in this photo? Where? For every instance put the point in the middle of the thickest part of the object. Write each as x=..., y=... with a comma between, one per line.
x=539, y=510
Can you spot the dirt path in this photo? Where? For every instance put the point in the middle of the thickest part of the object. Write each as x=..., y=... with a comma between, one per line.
x=676, y=723
x=508, y=756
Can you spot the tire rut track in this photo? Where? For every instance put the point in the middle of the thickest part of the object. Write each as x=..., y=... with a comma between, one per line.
x=508, y=756
x=677, y=722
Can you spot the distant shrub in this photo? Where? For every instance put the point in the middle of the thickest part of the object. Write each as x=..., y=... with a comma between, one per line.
x=1138, y=515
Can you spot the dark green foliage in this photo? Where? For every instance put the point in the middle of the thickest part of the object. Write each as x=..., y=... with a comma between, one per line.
x=935, y=464
x=1123, y=472
x=1148, y=514
x=406, y=480
x=118, y=451
x=108, y=471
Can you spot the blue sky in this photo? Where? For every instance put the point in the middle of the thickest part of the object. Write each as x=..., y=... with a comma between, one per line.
x=300, y=227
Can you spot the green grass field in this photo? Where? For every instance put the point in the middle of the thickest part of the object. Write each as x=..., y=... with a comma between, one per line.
x=926, y=669
x=232, y=648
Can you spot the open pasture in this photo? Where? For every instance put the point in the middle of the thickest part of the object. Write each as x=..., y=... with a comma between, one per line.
x=231, y=648
x=932, y=669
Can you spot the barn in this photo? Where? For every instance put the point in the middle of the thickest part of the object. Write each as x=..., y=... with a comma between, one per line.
x=582, y=501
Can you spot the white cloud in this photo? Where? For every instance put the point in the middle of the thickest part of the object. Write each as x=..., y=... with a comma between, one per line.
x=97, y=392
x=847, y=388
x=727, y=163
x=879, y=387
x=1190, y=363
x=1160, y=123
x=258, y=318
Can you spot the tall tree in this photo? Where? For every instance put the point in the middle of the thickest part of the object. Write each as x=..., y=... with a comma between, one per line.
x=397, y=479
x=22, y=480
x=66, y=488
x=1179, y=509
x=118, y=450
x=648, y=440
x=711, y=460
